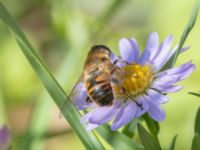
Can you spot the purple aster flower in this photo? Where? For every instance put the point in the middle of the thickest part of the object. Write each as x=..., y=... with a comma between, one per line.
x=5, y=138
x=144, y=84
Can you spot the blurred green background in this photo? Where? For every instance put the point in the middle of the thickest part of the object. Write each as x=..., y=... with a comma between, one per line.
x=63, y=31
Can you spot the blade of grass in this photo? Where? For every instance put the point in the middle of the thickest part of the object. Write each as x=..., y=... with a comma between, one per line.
x=197, y=123
x=153, y=126
x=39, y=122
x=130, y=129
x=117, y=140
x=195, y=94
x=184, y=35
x=173, y=142
x=56, y=92
x=148, y=141
x=196, y=142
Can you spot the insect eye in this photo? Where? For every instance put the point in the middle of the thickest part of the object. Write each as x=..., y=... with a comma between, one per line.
x=103, y=59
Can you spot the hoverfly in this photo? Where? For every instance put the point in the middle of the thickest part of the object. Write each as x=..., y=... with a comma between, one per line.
x=101, y=77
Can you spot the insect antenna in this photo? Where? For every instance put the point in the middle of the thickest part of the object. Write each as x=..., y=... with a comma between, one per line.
x=138, y=104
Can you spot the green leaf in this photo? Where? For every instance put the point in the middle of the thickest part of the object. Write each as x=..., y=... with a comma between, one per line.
x=117, y=140
x=148, y=141
x=130, y=128
x=195, y=94
x=172, y=145
x=54, y=89
x=196, y=142
x=184, y=35
x=197, y=122
x=152, y=125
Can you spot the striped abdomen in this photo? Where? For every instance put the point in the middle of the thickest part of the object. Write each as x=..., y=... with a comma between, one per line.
x=99, y=90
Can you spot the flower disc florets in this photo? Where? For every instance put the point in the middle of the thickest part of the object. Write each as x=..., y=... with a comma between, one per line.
x=137, y=79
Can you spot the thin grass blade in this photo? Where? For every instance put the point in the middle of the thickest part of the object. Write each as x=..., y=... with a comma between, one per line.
x=196, y=142
x=54, y=89
x=153, y=126
x=195, y=94
x=173, y=143
x=130, y=129
x=197, y=123
x=148, y=141
x=117, y=140
x=184, y=35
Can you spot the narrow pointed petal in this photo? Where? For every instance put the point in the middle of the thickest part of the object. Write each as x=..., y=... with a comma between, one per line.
x=157, y=97
x=144, y=108
x=151, y=48
x=164, y=47
x=79, y=97
x=156, y=112
x=167, y=57
x=184, y=49
x=180, y=72
x=152, y=44
x=136, y=49
x=113, y=57
x=187, y=72
x=91, y=126
x=144, y=59
x=162, y=52
x=129, y=50
x=100, y=115
x=170, y=54
x=168, y=89
x=166, y=80
x=125, y=115
x=182, y=75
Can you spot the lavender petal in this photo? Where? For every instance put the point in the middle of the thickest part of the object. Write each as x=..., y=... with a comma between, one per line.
x=136, y=49
x=79, y=97
x=157, y=97
x=175, y=70
x=91, y=126
x=100, y=115
x=145, y=106
x=180, y=72
x=152, y=44
x=166, y=80
x=156, y=112
x=124, y=115
x=144, y=59
x=184, y=49
x=129, y=50
x=168, y=89
x=169, y=55
x=162, y=52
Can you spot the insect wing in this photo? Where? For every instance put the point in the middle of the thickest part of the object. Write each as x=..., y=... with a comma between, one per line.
x=78, y=95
